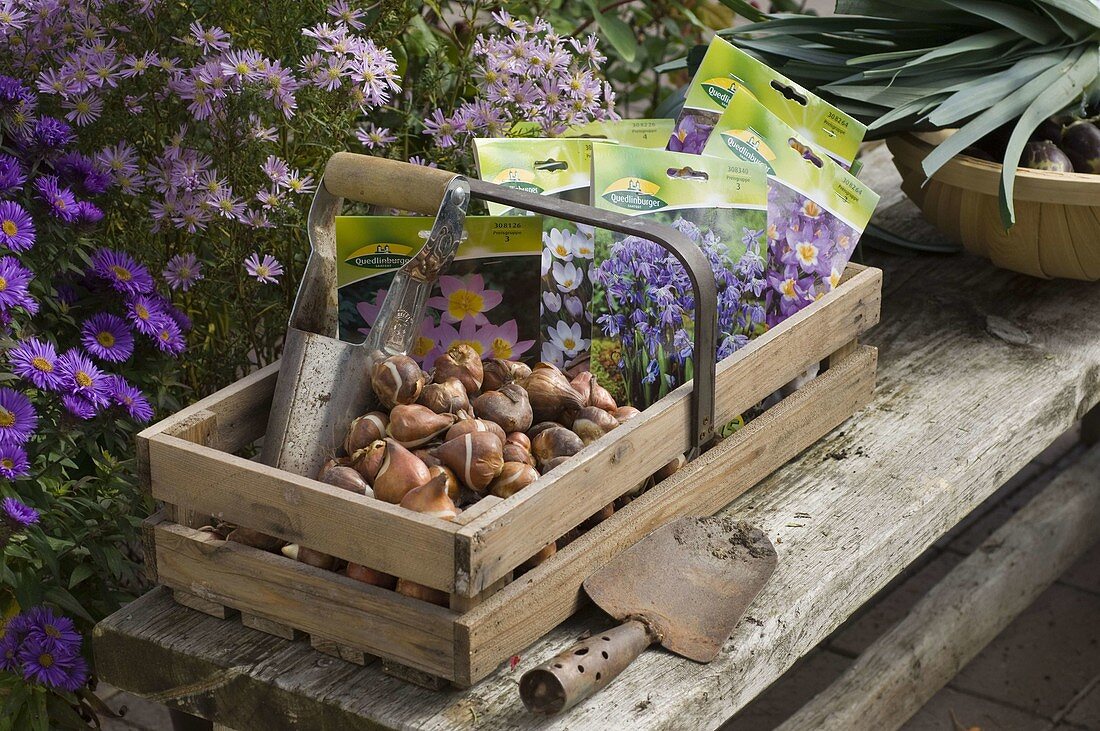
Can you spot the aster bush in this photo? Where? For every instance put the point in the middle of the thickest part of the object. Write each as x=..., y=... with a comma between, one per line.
x=156, y=164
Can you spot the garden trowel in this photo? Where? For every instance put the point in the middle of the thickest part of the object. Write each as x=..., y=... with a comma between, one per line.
x=684, y=586
x=324, y=382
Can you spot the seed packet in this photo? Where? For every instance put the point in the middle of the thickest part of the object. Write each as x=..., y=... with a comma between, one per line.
x=816, y=209
x=650, y=133
x=726, y=70
x=488, y=297
x=643, y=301
x=560, y=167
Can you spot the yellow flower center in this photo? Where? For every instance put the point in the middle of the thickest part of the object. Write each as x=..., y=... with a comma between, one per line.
x=9, y=227
x=41, y=364
x=142, y=312
x=811, y=209
x=165, y=335
x=502, y=349
x=3, y=284
x=807, y=253
x=7, y=418
x=262, y=271
x=106, y=339
x=7, y=463
x=82, y=379
x=49, y=629
x=561, y=250
x=787, y=288
x=45, y=660
x=464, y=303
x=569, y=343
x=122, y=273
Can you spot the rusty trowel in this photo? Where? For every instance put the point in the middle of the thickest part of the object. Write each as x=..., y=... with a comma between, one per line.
x=684, y=586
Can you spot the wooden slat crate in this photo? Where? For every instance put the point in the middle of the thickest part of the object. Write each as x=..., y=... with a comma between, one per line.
x=187, y=461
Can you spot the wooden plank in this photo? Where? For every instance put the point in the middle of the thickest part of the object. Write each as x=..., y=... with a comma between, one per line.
x=240, y=410
x=273, y=587
x=905, y=667
x=299, y=510
x=517, y=528
x=149, y=543
x=527, y=609
x=255, y=621
x=199, y=604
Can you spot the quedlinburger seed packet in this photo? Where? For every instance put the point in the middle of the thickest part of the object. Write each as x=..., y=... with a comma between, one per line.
x=642, y=302
x=488, y=298
x=816, y=209
x=727, y=72
x=559, y=167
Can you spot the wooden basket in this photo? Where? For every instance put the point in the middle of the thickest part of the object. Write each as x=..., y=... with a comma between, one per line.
x=188, y=462
x=1057, y=231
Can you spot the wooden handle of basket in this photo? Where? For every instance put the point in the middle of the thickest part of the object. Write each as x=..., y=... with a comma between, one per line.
x=567, y=679
x=386, y=183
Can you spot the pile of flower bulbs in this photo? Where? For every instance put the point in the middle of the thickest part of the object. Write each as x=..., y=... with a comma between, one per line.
x=468, y=429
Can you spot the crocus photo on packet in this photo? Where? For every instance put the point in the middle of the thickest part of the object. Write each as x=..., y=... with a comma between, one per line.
x=643, y=303
x=727, y=70
x=488, y=298
x=559, y=167
x=816, y=209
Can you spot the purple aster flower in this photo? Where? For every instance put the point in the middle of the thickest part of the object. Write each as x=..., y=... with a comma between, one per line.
x=122, y=271
x=12, y=91
x=14, y=282
x=372, y=136
x=16, y=514
x=169, y=337
x=180, y=317
x=107, y=337
x=79, y=406
x=36, y=360
x=145, y=313
x=51, y=133
x=131, y=398
x=12, y=174
x=266, y=270
x=182, y=271
x=59, y=199
x=88, y=212
x=13, y=462
x=9, y=648
x=44, y=665
x=16, y=227
x=18, y=419
x=56, y=632
x=82, y=377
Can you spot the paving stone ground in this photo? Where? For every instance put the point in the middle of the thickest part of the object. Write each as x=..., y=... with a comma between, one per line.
x=1041, y=673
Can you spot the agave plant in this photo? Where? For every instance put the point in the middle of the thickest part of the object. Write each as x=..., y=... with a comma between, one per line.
x=979, y=65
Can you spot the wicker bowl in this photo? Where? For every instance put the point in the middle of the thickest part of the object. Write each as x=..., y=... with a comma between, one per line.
x=1057, y=231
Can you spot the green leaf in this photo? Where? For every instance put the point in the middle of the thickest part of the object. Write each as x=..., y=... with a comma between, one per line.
x=1086, y=10
x=67, y=601
x=744, y=9
x=1003, y=111
x=616, y=31
x=1028, y=24
x=1050, y=100
x=984, y=92
x=80, y=573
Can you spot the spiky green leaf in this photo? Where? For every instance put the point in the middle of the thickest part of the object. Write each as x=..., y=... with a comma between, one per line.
x=1049, y=101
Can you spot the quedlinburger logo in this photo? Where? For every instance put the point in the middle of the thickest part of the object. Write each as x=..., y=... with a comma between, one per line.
x=634, y=193
x=519, y=179
x=749, y=146
x=380, y=256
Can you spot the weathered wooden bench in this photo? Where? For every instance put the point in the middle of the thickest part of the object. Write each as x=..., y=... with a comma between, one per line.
x=979, y=371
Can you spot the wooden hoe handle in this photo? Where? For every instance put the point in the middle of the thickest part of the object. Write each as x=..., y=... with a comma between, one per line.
x=584, y=668
x=386, y=183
